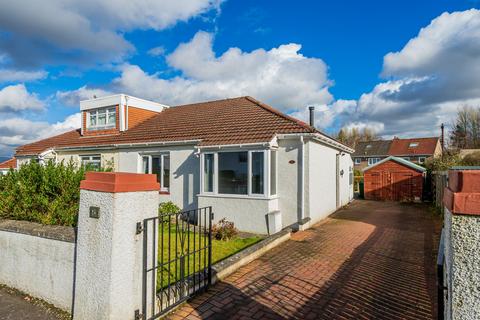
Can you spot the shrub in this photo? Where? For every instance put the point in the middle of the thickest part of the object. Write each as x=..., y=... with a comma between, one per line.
x=168, y=207
x=47, y=194
x=224, y=230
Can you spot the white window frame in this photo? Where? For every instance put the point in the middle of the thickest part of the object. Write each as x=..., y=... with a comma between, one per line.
x=106, y=125
x=90, y=159
x=372, y=161
x=266, y=175
x=422, y=160
x=358, y=160
x=162, y=156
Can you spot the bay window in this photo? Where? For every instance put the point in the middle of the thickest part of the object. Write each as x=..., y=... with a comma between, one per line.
x=102, y=118
x=242, y=173
x=160, y=166
x=233, y=172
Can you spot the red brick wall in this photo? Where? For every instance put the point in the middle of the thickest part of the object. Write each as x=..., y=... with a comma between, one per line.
x=393, y=181
x=137, y=116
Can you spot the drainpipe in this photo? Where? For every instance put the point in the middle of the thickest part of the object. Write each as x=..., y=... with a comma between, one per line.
x=303, y=219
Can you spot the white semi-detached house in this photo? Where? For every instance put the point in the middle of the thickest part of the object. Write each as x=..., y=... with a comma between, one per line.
x=254, y=165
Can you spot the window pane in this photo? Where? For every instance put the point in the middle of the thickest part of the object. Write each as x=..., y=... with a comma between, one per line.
x=166, y=172
x=208, y=173
x=157, y=168
x=93, y=119
x=257, y=172
x=102, y=118
x=145, y=166
x=273, y=172
x=233, y=172
x=111, y=116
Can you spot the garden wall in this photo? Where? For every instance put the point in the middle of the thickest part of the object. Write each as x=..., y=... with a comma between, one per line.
x=38, y=260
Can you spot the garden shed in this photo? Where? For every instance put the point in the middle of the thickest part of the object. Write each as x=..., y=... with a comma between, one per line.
x=394, y=179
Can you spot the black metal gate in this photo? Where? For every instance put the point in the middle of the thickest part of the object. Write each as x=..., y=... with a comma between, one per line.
x=177, y=259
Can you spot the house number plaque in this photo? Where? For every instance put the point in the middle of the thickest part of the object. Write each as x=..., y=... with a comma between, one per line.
x=94, y=212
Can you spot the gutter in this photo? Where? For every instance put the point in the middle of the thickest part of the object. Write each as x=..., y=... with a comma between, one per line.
x=238, y=145
x=130, y=145
x=319, y=138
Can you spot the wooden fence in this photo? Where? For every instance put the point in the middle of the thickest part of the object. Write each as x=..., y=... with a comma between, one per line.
x=439, y=182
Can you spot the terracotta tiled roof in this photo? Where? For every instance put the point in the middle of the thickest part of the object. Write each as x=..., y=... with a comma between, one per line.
x=372, y=148
x=403, y=147
x=10, y=163
x=222, y=122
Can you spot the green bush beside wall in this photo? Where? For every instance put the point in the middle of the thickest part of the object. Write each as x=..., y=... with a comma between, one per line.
x=48, y=194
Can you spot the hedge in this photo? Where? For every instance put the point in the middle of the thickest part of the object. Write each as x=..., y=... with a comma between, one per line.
x=48, y=194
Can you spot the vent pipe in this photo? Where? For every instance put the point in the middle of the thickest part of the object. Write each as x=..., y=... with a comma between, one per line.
x=312, y=116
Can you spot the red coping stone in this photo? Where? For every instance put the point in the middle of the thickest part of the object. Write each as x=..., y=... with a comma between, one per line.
x=464, y=180
x=119, y=182
x=462, y=196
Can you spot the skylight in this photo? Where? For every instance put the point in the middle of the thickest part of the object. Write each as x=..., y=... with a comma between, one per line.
x=413, y=144
x=368, y=146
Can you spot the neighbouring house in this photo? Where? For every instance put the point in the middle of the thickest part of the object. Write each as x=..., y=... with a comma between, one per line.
x=394, y=179
x=7, y=165
x=416, y=150
x=254, y=165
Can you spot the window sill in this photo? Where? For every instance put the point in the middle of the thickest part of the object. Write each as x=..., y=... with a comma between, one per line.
x=236, y=196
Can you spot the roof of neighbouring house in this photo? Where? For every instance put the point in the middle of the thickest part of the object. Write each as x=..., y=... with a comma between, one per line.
x=399, y=160
x=414, y=146
x=372, y=148
x=223, y=122
x=9, y=164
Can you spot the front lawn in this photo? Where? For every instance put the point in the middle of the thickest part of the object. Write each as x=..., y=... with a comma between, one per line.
x=221, y=249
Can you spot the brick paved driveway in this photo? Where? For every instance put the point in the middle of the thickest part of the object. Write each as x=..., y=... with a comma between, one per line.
x=373, y=260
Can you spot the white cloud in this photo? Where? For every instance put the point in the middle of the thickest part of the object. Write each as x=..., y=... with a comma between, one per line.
x=11, y=75
x=17, y=98
x=73, y=98
x=88, y=31
x=281, y=76
x=156, y=51
x=19, y=131
x=428, y=80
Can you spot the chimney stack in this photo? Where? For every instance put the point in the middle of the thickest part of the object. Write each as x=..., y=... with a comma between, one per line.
x=312, y=116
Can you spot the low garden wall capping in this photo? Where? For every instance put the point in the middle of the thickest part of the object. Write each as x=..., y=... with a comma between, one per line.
x=61, y=233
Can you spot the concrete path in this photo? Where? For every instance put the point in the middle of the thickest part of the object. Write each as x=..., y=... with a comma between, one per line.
x=16, y=306
x=373, y=260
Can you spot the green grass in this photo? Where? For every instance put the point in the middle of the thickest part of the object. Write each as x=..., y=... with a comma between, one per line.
x=220, y=250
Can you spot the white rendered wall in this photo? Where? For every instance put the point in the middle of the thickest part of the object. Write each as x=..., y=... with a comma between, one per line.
x=248, y=214
x=38, y=266
x=288, y=180
x=321, y=171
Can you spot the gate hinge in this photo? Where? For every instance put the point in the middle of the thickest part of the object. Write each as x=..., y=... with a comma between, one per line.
x=139, y=228
x=138, y=315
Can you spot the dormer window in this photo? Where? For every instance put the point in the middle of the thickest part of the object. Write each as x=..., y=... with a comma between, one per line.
x=369, y=146
x=413, y=144
x=102, y=118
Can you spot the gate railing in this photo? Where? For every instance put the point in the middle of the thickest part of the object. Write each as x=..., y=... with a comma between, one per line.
x=177, y=259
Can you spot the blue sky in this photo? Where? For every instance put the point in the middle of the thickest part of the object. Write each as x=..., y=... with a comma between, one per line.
x=329, y=54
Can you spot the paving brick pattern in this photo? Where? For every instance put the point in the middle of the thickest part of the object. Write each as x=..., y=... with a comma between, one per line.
x=373, y=260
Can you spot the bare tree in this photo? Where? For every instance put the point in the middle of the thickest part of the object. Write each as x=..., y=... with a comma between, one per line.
x=466, y=128
x=351, y=137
